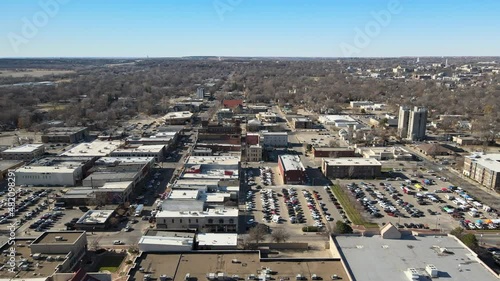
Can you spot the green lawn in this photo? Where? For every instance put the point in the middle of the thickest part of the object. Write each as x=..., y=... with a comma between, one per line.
x=110, y=263
x=349, y=209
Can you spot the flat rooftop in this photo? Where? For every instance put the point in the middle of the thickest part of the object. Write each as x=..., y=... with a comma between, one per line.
x=291, y=162
x=178, y=115
x=489, y=161
x=96, y=148
x=8, y=164
x=63, y=131
x=155, y=148
x=217, y=160
x=46, y=269
x=183, y=194
x=352, y=161
x=48, y=169
x=25, y=148
x=374, y=258
x=118, y=185
x=68, y=237
x=123, y=160
x=95, y=217
x=198, y=265
x=267, y=133
x=217, y=239
x=332, y=148
x=210, y=213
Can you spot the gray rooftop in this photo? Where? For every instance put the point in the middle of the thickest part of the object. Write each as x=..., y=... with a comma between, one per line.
x=374, y=258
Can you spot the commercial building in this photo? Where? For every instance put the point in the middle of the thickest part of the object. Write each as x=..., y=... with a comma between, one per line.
x=212, y=220
x=254, y=153
x=411, y=258
x=291, y=169
x=357, y=104
x=95, y=220
x=302, y=123
x=351, y=167
x=65, y=134
x=333, y=152
x=464, y=140
x=226, y=265
x=434, y=149
x=158, y=241
x=252, y=138
x=114, y=192
x=26, y=152
x=217, y=241
x=483, y=168
x=96, y=149
x=155, y=151
x=273, y=139
x=412, y=123
x=51, y=253
x=340, y=121
x=270, y=117
x=385, y=153
x=59, y=175
x=6, y=165
x=178, y=118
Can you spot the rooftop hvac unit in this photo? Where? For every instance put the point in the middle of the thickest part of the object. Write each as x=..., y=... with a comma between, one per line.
x=211, y=276
x=165, y=277
x=432, y=270
x=59, y=238
x=412, y=274
x=187, y=277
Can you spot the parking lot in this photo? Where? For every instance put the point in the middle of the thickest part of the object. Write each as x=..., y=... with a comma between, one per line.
x=294, y=207
x=428, y=203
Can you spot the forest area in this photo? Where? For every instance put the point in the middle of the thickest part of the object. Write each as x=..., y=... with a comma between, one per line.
x=100, y=92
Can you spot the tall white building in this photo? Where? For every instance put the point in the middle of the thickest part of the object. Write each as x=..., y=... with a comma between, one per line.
x=412, y=123
x=404, y=116
x=200, y=93
x=273, y=139
x=417, y=123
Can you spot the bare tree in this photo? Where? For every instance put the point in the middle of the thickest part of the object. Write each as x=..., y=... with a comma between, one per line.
x=258, y=233
x=280, y=235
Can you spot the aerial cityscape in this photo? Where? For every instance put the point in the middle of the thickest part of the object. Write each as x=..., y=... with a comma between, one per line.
x=227, y=140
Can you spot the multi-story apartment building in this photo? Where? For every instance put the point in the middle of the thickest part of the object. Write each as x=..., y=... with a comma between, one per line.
x=483, y=168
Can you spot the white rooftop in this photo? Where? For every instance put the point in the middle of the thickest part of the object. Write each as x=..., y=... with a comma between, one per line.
x=267, y=133
x=166, y=240
x=352, y=161
x=124, y=160
x=489, y=161
x=183, y=194
x=217, y=239
x=218, y=197
x=219, y=160
x=178, y=115
x=95, y=216
x=25, y=148
x=117, y=185
x=96, y=148
x=374, y=258
x=48, y=169
x=156, y=148
x=210, y=213
x=291, y=162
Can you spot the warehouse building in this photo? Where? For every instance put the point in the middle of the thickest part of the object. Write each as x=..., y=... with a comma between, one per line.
x=291, y=169
x=351, y=167
x=178, y=118
x=65, y=134
x=26, y=152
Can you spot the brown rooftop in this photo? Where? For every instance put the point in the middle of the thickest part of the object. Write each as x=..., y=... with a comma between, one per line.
x=37, y=268
x=198, y=265
x=68, y=237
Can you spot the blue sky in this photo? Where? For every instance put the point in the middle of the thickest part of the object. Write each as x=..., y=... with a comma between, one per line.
x=322, y=28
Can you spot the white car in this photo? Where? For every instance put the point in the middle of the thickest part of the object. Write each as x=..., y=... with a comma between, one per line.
x=328, y=218
x=117, y=242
